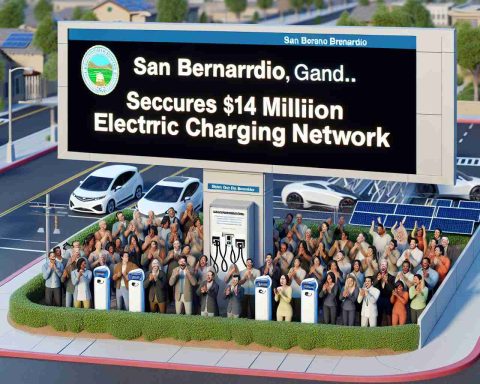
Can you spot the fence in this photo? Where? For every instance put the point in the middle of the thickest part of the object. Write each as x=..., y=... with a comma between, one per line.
x=445, y=293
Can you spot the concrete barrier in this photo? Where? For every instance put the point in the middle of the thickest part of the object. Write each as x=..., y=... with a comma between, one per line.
x=435, y=308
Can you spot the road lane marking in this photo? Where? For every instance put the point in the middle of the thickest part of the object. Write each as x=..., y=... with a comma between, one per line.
x=465, y=134
x=30, y=241
x=147, y=168
x=471, y=126
x=23, y=250
x=66, y=181
x=460, y=141
x=25, y=115
x=173, y=174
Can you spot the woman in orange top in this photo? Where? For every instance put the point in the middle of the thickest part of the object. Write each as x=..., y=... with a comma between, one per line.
x=441, y=263
x=418, y=234
x=399, y=299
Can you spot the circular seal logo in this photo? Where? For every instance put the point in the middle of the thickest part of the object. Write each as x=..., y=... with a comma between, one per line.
x=100, y=70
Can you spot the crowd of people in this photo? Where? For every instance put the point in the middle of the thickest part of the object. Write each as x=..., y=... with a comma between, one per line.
x=385, y=282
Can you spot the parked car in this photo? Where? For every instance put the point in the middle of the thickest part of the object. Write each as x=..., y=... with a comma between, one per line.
x=172, y=191
x=466, y=188
x=317, y=193
x=107, y=188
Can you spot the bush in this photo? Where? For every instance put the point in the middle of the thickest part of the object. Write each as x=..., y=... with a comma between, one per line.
x=25, y=310
x=466, y=94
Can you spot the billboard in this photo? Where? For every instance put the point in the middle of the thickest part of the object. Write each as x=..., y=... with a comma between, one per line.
x=353, y=102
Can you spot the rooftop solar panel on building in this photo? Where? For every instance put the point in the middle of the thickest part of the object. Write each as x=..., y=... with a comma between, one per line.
x=469, y=204
x=409, y=222
x=463, y=227
x=134, y=5
x=18, y=40
x=368, y=206
x=414, y=210
x=459, y=213
x=443, y=203
x=365, y=218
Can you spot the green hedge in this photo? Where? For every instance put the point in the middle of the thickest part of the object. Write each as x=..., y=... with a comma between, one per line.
x=24, y=310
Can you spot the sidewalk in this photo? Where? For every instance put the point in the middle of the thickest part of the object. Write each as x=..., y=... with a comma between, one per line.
x=452, y=346
x=27, y=149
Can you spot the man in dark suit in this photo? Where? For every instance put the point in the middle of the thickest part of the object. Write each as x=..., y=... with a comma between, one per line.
x=234, y=294
x=156, y=287
x=208, y=292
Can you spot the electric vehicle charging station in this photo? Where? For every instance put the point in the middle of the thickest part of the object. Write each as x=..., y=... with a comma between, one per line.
x=309, y=311
x=263, y=298
x=136, y=293
x=101, y=287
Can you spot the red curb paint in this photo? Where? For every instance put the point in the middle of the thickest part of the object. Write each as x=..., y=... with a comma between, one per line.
x=468, y=121
x=27, y=159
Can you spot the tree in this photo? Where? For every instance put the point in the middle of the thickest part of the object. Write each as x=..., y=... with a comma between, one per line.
x=297, y=5
x=89, y=16
x=50, y=68
x=203, y=18
x=236, y=6
x=397, y=17
x=264, y=5
x=11, y=14
x=42, y=9
x=77, y=13
x=255, y=17
x=319, y=4
x=420, y=16
x=309, y=4
x=172, y=11
x=364, y=3
x=346, y=20
x=468, y=51
x=46, y=36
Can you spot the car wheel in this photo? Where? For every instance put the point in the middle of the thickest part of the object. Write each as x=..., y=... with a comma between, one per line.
x=346, y=204
x=111, y=206
x=294, y=200
x=138, y=193
x=475, y=193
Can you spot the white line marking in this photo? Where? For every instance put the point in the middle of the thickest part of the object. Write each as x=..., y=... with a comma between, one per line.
x=470, y=126
x=85, y=217
x=23, y=250
x=465, y=134
x=460, y=141
x=31, y=241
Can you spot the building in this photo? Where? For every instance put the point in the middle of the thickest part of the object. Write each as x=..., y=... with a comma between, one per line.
x=125, y=10
x=439, y=13
x=469, y=13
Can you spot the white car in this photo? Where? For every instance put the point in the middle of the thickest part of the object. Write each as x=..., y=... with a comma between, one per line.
x=172, y=191
x=466, y=188
x=107, y=188
x=317, y=193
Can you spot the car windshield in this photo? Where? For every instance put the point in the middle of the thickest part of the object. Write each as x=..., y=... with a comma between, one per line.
x=164, y=194
x=465, y=176
x=96, y=184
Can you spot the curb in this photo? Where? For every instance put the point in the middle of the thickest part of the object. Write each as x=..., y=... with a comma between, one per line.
x=450, y=369
x=468, y=121
x=27, y=159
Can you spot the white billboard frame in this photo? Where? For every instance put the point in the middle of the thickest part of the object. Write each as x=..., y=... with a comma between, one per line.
x=435, y=111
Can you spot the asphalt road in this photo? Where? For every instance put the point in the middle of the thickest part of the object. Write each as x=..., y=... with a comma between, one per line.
x=25, y=122
x=27, y=371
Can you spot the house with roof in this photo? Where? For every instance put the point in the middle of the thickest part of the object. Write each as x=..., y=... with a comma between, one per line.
x=125, y=10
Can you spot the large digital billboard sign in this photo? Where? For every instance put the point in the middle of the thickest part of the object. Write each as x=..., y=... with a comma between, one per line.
x=284, y=100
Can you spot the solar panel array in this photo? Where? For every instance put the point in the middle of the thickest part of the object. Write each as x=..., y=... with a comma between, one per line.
x=134, y=5
x=18, y=40
x=442, y=215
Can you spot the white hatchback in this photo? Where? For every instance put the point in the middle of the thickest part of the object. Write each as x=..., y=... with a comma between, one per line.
x=172, y=191
x=107, y=188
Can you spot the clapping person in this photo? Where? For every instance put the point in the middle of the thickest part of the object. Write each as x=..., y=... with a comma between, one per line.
x=322, y=254
x=392, y=255
x=138, y=225
x=317, y=271
x=381, y=238
x=325, y=236
x=70, y=266
x=194, y=238
x=385, y=284
x=183, y=280
x=119, y=227
x=81, y=278
x=298, y=228
x=357, y=272
x=103, y=234
x=304, y=255
x=359, y=249
x=418, y=294
x=283, y=295
x=232, y=270
x=399, y=300
x=441, y=263
x=151, y=236
x=120, y=277
x=333, y=267
x=292, y=244
x=296, y=276
x=284, y=258
x=405, y=276
x=151, y=254
x=430, y=276
x=234, y=294
x=344, y=244
x=368, y=297
x=369, y=262
x=208, y=292
x=174, y=235
x=348, y=298
x=171, y=261
x=310, y=242
x=52, y=272
x=270, y=269
x=417, y=233
x=201, y=269
x=329, y=293
x=187, y=220
x=134, y=251
x=247, y=281
x=400, y=235
x=155, y=286
x=98, y=257
x=343, y=264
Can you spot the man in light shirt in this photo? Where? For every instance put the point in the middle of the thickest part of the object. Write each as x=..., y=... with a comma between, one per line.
x=359, y=249
x=413, y=255
x=368, y=297
x=381, y=239
x=405, y=276
x=284, y=258
x=247, y=281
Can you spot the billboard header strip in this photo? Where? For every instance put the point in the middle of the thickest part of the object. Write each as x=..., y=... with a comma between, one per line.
x=246, y=38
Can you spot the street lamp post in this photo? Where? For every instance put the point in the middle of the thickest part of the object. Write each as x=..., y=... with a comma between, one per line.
x=10, y=148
